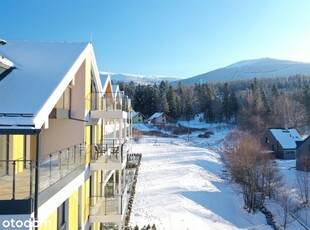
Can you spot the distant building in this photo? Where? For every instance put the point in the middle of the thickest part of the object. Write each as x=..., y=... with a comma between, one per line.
x=158, y=118
x=303, y=155
x=282, y=142
x=137, y=117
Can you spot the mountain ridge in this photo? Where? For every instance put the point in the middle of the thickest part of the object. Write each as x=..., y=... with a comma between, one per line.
x=138, y=78
x=248, y=69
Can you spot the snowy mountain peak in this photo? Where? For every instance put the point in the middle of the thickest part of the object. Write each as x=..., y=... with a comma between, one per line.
x=138, y=79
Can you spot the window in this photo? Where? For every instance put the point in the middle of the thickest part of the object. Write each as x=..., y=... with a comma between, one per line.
x=267, y=140
x=61, y=216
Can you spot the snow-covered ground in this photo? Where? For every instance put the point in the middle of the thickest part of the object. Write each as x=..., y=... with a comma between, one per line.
x=180, y=186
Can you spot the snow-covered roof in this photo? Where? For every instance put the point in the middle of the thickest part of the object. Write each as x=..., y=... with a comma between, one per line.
x=287, y=137
x=43, y=71
x=155, y=115
x=134, y=113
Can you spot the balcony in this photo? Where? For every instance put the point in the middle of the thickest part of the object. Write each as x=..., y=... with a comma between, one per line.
x=16, y=180
x=17, y=176
x=109, y=155
x=108, y=209
x=109, y=105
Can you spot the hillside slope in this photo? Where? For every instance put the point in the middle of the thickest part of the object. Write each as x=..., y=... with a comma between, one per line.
x=256, y=68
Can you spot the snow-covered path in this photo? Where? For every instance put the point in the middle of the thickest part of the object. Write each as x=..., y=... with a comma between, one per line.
x=180, y=187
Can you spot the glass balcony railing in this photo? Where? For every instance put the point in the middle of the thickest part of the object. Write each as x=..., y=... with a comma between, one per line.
x=109, y=101
x=112, y=205
x=17, y=177
x=109, y=151
x=59, y=164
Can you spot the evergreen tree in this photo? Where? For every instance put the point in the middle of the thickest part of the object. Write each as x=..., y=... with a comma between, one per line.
x=225, y=103
x=275, y=91
x=172, y=102
x=164, y=103
x=188, y=110
x=306, y=100
x=233, y=103
x=163, y=87
x=265, y=102
x=208, y=103
x=130, y=90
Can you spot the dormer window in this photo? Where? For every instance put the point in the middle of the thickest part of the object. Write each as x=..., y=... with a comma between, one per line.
x=6, y=66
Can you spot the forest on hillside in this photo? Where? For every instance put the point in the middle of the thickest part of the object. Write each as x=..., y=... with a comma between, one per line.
x=253, y=105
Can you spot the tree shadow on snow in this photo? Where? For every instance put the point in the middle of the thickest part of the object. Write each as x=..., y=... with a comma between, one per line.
x=224, y=205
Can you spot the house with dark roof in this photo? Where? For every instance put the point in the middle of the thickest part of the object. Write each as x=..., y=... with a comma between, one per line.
x=303, y=155
x=282, y=142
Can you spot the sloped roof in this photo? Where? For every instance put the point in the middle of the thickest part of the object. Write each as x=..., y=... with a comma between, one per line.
x=155, y=115
x=43, y=71
x=134, y=113
x=106, y=82
x=286, y=137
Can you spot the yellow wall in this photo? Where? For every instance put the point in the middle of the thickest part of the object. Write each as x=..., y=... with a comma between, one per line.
x=50, y=223
x=18, y=152
x=87, y=143
x=85, y=201
x=73, y=210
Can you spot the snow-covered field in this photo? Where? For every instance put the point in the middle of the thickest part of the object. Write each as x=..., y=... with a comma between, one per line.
x=180, y=186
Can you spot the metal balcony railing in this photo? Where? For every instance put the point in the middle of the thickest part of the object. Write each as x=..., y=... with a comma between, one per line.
x=17, y=177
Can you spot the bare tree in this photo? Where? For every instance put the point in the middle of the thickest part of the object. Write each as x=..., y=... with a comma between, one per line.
x=303, y=179
x=250, y=168
x=285, y=200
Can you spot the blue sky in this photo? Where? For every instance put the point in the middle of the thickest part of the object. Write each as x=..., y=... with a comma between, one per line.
x=180, y=38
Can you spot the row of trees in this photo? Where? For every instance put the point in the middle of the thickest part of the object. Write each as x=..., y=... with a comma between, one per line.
x=252, y=104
